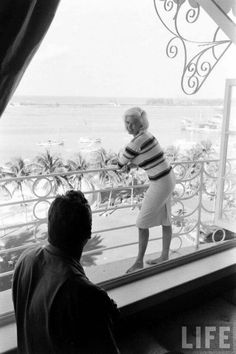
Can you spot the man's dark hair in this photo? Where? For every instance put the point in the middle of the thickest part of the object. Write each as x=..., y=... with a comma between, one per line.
x=69, y=221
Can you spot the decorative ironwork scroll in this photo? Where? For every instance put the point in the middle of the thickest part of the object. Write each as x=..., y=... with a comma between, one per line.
x=180, y=17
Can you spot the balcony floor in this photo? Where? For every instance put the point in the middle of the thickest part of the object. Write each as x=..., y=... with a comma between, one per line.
x=103, y=272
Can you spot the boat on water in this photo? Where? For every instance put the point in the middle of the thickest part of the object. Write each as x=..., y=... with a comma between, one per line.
x=211, y=124
x=90, y=143
x=114, y=103
x=50, y=142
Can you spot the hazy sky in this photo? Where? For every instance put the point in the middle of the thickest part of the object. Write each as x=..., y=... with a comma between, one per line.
x=113, y=48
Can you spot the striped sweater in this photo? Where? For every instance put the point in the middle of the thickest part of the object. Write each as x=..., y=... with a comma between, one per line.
x=145, y=152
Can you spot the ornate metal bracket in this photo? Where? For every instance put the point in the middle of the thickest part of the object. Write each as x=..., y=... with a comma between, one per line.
x=200, y=57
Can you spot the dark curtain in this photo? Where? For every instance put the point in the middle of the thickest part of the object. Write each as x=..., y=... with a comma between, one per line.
x=23, y=24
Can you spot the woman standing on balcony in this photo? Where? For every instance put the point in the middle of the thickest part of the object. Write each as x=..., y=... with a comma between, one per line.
x=145, y=152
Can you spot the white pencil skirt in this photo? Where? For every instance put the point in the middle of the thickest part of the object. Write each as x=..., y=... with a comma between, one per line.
x=156, y=205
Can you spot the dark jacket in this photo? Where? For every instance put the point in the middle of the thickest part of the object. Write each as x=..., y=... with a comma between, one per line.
x=58, y=310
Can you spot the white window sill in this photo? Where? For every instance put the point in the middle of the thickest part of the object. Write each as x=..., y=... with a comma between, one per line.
x=156, y=284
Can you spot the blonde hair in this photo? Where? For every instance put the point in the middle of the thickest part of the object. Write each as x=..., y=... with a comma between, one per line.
x=139, y=114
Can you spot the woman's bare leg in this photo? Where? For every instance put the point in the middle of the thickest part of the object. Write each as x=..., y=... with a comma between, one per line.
x=166, y=240
x=143, y=241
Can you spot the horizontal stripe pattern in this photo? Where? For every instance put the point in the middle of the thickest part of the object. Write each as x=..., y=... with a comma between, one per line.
x=145, y=152
x=161, y=174
x=149, y=148
x=155, y=165
x=130, y=152
x=155, y=158
x=148, y=142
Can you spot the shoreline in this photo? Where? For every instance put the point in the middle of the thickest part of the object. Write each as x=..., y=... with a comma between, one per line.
x=23, y=127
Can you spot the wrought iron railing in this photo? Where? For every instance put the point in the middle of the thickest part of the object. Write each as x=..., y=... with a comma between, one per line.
x=201, y=50
x=23, y=213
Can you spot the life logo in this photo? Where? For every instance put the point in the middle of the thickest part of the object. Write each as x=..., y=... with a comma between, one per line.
x=213, y=338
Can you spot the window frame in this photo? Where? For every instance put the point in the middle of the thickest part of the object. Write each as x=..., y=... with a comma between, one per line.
x=230, y=83
x=9, y=317
x=216, y=12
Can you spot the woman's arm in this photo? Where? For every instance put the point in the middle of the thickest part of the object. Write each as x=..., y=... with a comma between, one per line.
x=126, y=156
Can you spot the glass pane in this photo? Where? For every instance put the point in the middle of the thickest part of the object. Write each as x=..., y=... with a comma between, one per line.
x=75, y=122
x=232, y=113
x=231, y=151
x=226, y=197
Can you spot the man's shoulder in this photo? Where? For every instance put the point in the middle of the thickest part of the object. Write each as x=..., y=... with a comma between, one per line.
x=84, y=285
x=29, y=254
x=85, y=289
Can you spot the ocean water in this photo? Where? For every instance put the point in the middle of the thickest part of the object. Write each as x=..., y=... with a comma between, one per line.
x=27, y=122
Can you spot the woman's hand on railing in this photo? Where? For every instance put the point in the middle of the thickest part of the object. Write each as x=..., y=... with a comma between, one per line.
x=113, y=164
x=126, y=168
x=113, y=161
